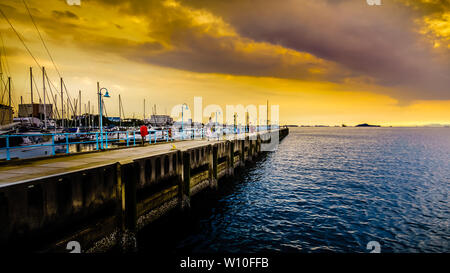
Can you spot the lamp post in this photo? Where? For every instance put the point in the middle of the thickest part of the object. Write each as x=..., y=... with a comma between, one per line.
x=235, y=124
x=100, y=95
x=182, y=119
x=217, y=125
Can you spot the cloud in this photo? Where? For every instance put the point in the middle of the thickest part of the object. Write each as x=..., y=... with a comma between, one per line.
x=195, y=40
x=321, y=40
x=64, y=14
x=379, y=42
x=427, y=7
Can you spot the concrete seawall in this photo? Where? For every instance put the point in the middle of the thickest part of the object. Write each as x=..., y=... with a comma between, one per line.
x=105, y=206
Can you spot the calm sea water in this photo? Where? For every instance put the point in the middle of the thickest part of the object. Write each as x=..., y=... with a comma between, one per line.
x=326, y=189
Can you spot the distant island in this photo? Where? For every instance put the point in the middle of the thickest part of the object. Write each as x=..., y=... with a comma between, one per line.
x=367, y=125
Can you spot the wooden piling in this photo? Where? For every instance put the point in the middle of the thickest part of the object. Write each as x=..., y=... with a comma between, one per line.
x=127, y=171
x=186, y=181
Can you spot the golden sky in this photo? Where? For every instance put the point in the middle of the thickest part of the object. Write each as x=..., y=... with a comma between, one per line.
x=323, y=62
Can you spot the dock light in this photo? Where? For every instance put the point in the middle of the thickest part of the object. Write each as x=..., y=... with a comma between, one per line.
x=182, y=119
x=100, y=116
x=217, y=125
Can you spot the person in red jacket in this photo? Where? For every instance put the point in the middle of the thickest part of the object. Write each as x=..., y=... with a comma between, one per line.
x=144, y=133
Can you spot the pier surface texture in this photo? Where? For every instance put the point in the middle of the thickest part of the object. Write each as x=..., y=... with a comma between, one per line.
x=101, y=199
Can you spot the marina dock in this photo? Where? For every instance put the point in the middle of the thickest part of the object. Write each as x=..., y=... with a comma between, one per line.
x=102, y=199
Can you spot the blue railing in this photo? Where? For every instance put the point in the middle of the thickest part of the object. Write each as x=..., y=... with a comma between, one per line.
x=100, y=140
x=106, y=139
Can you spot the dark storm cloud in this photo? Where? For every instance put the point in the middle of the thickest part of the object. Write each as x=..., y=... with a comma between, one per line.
x=64, y=14
x=427, y=7
x=195, y=47
x=352, y=40
x=374, y=41
x=219, y=55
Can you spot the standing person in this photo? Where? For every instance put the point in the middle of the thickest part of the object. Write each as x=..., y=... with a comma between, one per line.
x=144, y=133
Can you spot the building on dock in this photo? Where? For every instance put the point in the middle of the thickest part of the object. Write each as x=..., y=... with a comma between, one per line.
x=35, y=110
x=6, y=114
x=160, y=120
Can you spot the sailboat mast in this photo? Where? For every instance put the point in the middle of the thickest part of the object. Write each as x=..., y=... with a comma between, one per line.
x=9, y=95
x=120, y=112
x=100, y=111
x=31, y=85
x=55, y=110
x=89, y=113
x=62, y=105
x=45, y=107
x=75, y=105
x=68, y=112
x=79, y=103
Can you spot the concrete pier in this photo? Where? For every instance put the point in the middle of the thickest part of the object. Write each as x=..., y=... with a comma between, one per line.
x=102, y=199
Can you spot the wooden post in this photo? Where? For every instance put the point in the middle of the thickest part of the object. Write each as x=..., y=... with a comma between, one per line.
x=127, y=176
x=242, y=156
x=250, y=149
x=185, y=183
x=231, y=159
x=212, y=152
x=258, y=145
x=215, y=161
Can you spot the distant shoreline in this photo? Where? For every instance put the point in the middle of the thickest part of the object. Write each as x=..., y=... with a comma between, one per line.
x=376, y=126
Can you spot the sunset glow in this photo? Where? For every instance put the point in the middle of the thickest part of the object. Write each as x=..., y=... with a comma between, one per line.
x=323, y=62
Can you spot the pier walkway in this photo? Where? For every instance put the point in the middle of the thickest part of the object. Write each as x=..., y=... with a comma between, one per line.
x=102, y=199
x=13, y=172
